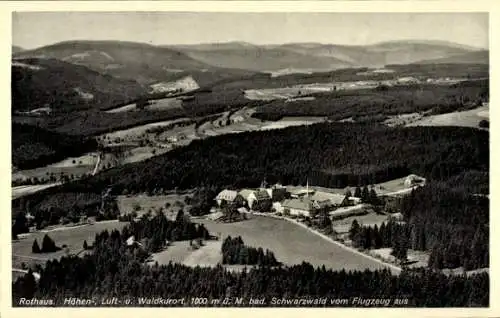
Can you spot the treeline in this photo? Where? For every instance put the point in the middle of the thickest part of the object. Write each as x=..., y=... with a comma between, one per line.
x=206, y=103
x=156, y=231
x=60, y=208
x=337, y=155
x=364, y=104
x=453, y=226
x=422, y=71
x=115, y=269
x=35, y=147
x=234, y=251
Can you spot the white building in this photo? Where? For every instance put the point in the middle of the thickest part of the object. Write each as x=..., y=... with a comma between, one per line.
x=226, y=195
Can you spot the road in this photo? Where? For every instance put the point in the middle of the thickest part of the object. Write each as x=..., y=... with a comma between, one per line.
x=97, y=163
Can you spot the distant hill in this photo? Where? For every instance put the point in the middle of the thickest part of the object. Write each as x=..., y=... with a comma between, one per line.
x=55, y=85
x=209, y=62
x=479, y=57
x=16, y=49
x=140, y=62
x=317, y=56
x=260, y=58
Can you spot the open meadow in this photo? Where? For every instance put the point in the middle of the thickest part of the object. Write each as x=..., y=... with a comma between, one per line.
x=73, y=237
x=290, y=243
x=135, y=133
x=469, y=118
x=76, y=166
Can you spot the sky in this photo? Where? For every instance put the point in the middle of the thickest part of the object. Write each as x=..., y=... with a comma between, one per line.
x=35, y=29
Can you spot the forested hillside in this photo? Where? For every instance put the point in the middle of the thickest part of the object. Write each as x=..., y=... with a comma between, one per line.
x=451, y=224
x=64, y=87
x=34, y=147
x=330, y=155
x=378, y=103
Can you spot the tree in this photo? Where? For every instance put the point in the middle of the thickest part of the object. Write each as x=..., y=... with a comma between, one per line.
x=48, y=245
x=365, y=195
x=35, y=248
x=484, y=123
x=373, y=198
x=400, y=248
x=357, y=192
x=355, y=229
x=180, y=216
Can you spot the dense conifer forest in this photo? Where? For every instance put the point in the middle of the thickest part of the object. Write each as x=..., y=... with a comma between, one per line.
x=35, y=147
x=117, y=269
x=330, y=155
x=376, y=104
x=234, y=251
x=451, y=224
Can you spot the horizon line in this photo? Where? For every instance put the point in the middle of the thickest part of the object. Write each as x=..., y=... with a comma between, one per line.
x=421, y=41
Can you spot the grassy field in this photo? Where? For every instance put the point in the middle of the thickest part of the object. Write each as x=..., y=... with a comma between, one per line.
x=208, y=255
x=154, y=203
x=126, y=108
x=470, y=118
x=20, y=191
x=166, y=103
x=370, y=219
x=292, y=121
x=73, y=237
x=291, y=243
x=77, y=166
x=135, y=133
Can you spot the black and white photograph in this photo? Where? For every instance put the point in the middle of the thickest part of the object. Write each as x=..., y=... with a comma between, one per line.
x=250, y=159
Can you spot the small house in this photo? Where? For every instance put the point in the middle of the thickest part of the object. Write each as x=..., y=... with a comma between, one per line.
x=299, y=207
x=331, y=199
x=254, y=197
x=227, y=196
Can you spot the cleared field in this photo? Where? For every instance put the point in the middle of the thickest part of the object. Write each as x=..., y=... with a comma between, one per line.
x=160, y=104
x=73, y=237
x=175, y=253
x=251, y=124
x=145, y=203
x=166, y=103
x=89, y=159
x=470, y=118
x=209, y=255
x=391, y=186
x=76, y=166
x=292, y=121
x=126, y=108
x=20, y=191
x=132, y=134
x=291, y=243
x=370, y=219
x=143, y=153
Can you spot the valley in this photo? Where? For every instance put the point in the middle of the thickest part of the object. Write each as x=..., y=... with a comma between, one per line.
x=248, y=169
